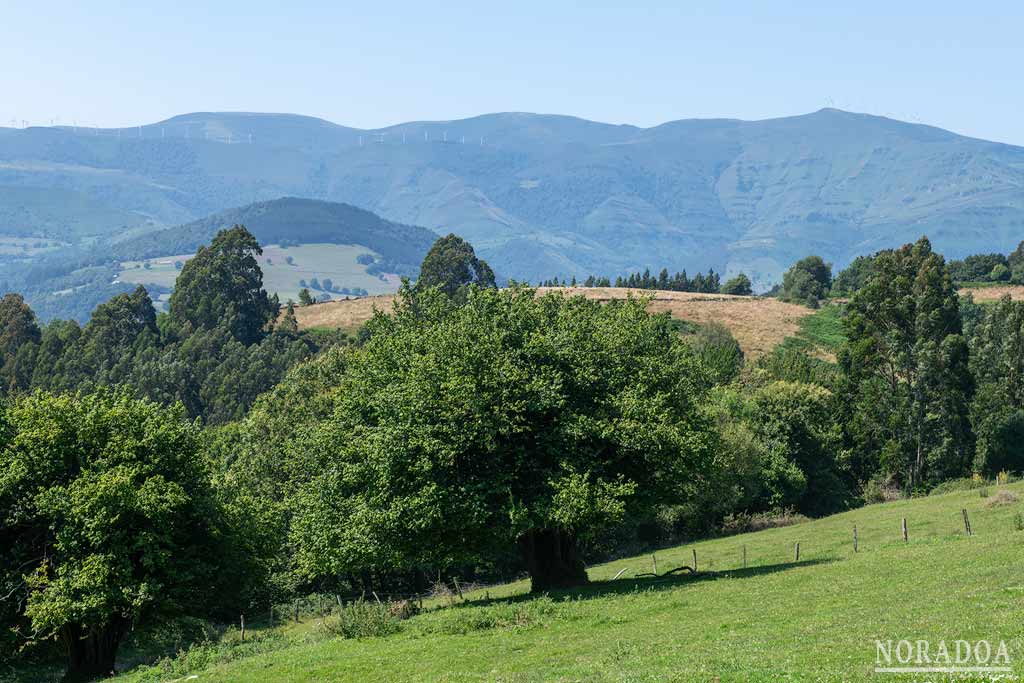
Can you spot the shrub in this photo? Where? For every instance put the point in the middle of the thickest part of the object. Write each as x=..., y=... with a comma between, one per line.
x=743, y=522
x=962, y=484
x=880, y=490
x=363, y=619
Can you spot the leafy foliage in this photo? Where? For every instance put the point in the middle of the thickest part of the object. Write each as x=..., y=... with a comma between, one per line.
x=223, y=285
x=906, y=364
x=739, y=285
x=808, y=280
x=452, y=265
x=457, y=430
x=107, y=519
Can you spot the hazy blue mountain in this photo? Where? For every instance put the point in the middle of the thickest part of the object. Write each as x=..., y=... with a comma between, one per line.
x=543, y=195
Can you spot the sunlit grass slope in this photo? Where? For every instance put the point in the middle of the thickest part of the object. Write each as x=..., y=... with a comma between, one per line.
x=779, y=619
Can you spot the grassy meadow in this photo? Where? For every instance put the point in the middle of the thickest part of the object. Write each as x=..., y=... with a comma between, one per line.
x=778, y=619
x=336, y=262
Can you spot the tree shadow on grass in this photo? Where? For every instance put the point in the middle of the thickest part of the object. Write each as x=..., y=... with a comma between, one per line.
x=642, y=584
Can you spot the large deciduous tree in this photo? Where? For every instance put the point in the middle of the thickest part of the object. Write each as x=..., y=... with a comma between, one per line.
x=223, y=285
x=106, y=521
x=459, y=430
x=906, y=365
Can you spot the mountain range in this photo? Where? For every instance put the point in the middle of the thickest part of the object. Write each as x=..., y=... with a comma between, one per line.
x=541, y=195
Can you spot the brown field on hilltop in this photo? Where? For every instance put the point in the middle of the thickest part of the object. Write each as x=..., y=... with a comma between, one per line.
x=759, y=324
x=981, y=294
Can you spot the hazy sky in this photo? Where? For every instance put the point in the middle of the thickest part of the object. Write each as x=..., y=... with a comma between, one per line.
x=954, y=65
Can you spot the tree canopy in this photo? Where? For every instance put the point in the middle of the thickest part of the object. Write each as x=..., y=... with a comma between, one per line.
x=106, y=520
x=223, y=285
x=452, y=265
x=458, y=430
x=906, y=364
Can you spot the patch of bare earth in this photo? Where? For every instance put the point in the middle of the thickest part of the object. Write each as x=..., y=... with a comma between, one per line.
x=759, y=325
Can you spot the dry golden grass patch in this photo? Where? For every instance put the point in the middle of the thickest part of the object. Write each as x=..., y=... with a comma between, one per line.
x=345, y=314
x=759, y=325
x=980, y=294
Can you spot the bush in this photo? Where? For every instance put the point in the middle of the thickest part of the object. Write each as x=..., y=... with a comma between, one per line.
x=954, y=485
x=880, y=490
x=743, y=522
x=363, y=619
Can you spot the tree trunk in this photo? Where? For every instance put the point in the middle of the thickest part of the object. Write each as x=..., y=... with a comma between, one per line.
x=552, y=559
x=91, y=651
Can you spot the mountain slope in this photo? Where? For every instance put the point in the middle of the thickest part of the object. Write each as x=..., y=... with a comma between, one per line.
x=543, y=195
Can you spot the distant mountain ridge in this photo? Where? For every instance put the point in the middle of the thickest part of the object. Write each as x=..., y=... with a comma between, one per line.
x=544, y=195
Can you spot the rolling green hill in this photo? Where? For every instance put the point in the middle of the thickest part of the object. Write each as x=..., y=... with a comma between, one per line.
x=543, y=195
x=296, y=221
x=69, y=282
x=816, y=618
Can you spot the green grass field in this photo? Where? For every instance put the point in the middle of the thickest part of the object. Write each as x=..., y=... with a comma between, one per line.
x=821, y=331
x=778, y=619
x=334, y=261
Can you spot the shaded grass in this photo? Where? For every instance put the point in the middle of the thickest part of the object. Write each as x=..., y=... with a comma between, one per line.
x=776, y=619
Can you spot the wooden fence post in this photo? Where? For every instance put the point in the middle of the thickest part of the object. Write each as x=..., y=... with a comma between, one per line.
x=271, y=616
x=694, y=560
x=241, y=630
x=744, y=555
x=854, y=538
x=296, y=609
x=797, y=556
x=654, y=561
x=458, y=588
x=904, y=529
x=967, y=522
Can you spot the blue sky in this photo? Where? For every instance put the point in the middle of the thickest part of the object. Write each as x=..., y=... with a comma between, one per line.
x=957, y=66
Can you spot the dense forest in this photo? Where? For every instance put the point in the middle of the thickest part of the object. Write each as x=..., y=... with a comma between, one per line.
x=215, y=459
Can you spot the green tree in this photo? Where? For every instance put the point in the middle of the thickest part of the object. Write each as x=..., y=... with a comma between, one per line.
x=459, y=431
x=223, y=285
x=305, y=298
x=906, y=367
x=718, y=351
x=853, y=277
x=17, y=328
x=809, y=278
x=452, y=265
x=997, y=364
x=106, y=520
x=739, y=285
x=288, y=323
